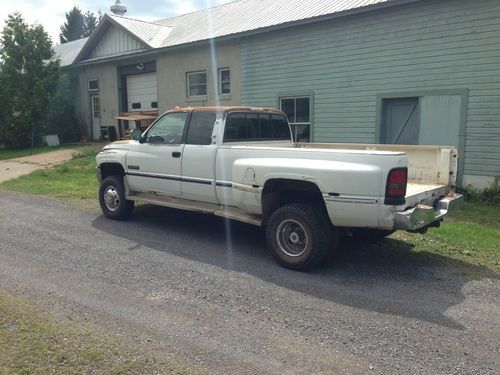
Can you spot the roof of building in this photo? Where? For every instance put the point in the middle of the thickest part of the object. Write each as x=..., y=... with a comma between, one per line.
x=251, y=15
x=67, y=52
x=227, y=20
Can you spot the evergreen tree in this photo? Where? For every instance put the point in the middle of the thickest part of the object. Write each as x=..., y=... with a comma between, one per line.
x=29, y=75
x=90, y=23
x=74, y=27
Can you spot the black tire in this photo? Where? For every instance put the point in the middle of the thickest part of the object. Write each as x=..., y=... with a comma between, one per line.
x=299, y=236
x=370, y=235
x=112, y=199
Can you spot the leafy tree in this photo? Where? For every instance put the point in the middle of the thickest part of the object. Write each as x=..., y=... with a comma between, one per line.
x=61, y=110
x=29, y=76
x=74, y=26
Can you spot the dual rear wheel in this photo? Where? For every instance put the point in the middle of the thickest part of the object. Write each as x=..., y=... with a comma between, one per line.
x=300, y=236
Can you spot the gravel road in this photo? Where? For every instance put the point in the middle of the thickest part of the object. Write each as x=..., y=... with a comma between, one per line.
x=203, y=290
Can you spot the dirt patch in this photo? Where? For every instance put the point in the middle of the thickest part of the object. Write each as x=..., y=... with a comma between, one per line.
x=17, y=167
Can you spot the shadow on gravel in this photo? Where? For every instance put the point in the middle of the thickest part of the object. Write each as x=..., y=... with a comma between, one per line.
x=386, y=278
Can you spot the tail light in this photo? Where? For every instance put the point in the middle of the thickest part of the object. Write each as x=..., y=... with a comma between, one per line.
x=395, y=190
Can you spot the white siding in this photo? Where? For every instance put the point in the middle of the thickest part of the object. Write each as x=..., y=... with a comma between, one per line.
x=115, y=41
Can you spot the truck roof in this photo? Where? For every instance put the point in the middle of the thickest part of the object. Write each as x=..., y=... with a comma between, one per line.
x=226, y=109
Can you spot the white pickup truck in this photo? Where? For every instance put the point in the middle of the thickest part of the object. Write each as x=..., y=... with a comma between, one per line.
x=241, y=163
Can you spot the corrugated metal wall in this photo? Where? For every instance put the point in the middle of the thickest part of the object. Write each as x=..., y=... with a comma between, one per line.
x=434, y=47
x=115, y=41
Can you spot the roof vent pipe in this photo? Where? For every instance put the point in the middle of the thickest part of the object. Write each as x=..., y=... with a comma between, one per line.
x=119, y=9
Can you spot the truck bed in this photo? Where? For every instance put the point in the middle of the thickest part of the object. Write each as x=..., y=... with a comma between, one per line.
x=429, y=167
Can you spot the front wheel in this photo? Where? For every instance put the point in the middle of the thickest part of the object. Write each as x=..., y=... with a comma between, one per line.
x=112, y=199
x=299, y=236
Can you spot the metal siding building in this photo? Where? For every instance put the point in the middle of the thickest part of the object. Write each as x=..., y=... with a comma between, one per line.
x=443, y=54
x=364, y=71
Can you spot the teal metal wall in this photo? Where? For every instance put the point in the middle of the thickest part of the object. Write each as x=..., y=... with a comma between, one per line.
x=447, y=49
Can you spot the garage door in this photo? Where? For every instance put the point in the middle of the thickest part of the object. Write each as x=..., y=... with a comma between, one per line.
x=142, y=94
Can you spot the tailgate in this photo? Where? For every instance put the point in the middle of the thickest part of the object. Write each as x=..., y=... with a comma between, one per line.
x=424, y=193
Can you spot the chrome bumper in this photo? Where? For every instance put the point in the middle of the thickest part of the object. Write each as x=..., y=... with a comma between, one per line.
x=422, y=216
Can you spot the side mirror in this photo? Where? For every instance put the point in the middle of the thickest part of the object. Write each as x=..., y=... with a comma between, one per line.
x=136, y=135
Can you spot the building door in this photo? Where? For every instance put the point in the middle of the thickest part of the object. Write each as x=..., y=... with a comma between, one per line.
x=440, y=117
x=401, y=121
x=95, y=117
x=142, y=92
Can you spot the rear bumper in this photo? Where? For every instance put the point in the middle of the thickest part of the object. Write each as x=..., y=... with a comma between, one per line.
x=423, y=216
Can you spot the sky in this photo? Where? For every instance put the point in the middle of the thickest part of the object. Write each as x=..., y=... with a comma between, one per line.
x=51, y=13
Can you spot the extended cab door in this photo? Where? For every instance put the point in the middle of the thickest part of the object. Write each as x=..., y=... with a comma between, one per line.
x=198, y=159
x=155, y=165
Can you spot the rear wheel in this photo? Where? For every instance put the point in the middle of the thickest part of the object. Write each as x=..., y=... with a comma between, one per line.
x=299, y=236
x=112, y=199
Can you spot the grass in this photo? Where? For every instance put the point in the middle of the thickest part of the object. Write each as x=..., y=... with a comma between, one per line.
x=469, y=240
x=470, y=236
x=73, y=180
x=32, y=342
x=11, y=154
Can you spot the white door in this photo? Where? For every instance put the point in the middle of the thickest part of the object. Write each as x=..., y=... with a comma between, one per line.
x=198, y=158
x=95, y=117
x=142, y=92
x=155, y=165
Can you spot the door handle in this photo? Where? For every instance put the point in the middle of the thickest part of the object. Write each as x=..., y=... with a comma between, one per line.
x=176, y=154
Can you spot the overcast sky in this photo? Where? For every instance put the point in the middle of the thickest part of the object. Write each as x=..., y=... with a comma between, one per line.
x=51, y=13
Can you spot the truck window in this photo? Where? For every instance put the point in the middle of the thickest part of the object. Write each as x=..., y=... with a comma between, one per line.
x=200, y=128
x=168, y=129
x=256, y=127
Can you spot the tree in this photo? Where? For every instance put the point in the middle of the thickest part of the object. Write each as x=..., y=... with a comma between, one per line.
x=90, y=22
x=74, y=26
x=29, y=77
x=78, y=25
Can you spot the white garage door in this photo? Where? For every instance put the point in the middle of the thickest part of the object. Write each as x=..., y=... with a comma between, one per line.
x=142, y=94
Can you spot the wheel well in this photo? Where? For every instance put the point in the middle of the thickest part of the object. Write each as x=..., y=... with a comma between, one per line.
x=279, y=192
x=111, y=169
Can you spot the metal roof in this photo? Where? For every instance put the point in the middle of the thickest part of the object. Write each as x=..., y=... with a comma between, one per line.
x=227, y=20
x=251, y=15
x=67, y=52
x=151, y=33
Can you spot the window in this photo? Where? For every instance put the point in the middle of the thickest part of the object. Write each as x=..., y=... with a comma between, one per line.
x=196, y=84
x=298, y=112
x=256, y=127
x=201, y=127
x=168, y=129
x=224, y=81
x=93, y=85
x=96, y=108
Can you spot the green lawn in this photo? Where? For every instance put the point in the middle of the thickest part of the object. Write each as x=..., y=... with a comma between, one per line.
x=73, y=180
x=11, y=154
x=469, y=240
x=471, y=236
x=32, y=342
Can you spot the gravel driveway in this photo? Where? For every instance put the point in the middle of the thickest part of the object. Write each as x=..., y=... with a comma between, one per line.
x=200, y=289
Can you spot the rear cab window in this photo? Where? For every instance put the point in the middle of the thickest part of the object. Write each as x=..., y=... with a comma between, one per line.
x=256, y=127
